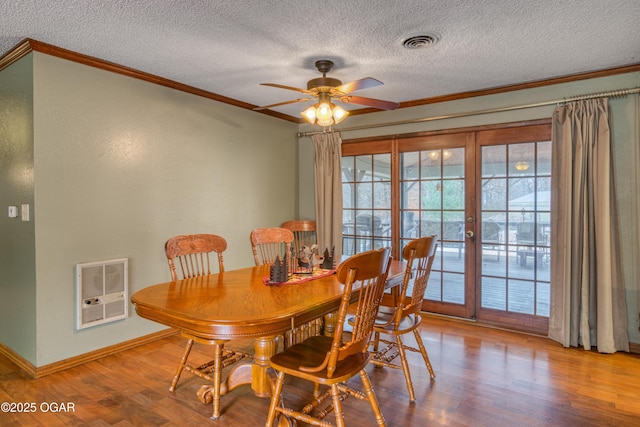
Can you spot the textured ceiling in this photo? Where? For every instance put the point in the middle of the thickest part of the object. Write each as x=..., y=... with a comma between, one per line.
x=229, y=47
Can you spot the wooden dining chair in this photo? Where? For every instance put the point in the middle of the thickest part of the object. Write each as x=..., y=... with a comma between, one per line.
x=331, y=361
x=304, y=234
x=195, y=253
x=403, y=317
x=269, y=243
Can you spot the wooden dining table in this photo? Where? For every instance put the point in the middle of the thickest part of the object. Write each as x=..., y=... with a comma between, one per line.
x=237, y=304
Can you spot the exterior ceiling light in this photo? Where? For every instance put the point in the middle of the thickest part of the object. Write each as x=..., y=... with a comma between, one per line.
x=435, y=155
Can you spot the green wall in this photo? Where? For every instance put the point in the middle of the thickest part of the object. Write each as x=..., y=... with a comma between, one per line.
x=119, y=166
x=17, y=242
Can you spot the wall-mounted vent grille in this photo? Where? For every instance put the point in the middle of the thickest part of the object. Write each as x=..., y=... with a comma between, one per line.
x=101, y=292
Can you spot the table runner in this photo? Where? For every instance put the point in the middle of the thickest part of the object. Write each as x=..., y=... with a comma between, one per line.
x=300, y=277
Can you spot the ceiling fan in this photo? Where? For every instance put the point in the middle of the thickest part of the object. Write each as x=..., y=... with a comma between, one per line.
x=324, y=112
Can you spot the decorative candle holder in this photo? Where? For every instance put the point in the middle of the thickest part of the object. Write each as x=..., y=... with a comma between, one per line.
x=328, y=259
x=279, y=271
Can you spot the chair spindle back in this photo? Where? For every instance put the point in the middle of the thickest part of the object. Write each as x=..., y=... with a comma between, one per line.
x=192, y=252
x=419, y=254
x=269, y=243
x=304, y=233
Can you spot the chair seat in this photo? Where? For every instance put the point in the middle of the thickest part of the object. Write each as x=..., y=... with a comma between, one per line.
x=408, y=324
x=312, y=352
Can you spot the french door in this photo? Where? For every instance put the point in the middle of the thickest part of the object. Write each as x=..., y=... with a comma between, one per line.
x=485, y=195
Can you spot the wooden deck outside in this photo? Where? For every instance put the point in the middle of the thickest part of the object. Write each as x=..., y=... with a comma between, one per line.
x=517, y=293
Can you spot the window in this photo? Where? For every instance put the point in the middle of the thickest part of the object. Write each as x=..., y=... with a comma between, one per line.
x=366, y=190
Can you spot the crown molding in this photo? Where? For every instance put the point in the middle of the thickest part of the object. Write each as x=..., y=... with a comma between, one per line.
x=31, y=45
x=20, y=50
x=631, y=68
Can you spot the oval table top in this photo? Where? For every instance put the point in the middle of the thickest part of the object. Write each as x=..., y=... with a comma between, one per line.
x=238, y=304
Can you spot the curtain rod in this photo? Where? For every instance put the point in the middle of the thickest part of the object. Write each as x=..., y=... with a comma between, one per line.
x=609, y=94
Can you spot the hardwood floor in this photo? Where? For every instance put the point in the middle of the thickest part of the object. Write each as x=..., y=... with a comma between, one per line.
x=485, y=377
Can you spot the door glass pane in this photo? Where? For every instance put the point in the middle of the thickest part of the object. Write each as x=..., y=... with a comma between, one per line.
x=431, y=192
x=433, y=203
x=453, y=194
x=411, y=195
x=434, y=289
x=521, y=297
x=382, y=195
x=494, y=161
x=543, y=164
x=364, y=195
x=493, y=291
x=348, y=193
x=410, y=166
x=409, y=226
x=382, y=167
x=543, y=290
x=521, y=159
x=494, y=196
x=454, y=290
x=364, y=168
x=515, y=229
x=430, y=165
x=453, y=163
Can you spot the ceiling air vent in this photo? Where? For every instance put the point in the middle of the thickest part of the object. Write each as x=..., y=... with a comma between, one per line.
x=417, y=42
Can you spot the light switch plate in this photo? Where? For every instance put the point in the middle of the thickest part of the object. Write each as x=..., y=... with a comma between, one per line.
x=25, y=212
x=13, y=211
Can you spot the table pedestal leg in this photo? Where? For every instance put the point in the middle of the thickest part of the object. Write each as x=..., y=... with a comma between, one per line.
x=330, y=320
x=257, y=374
x=261, y=375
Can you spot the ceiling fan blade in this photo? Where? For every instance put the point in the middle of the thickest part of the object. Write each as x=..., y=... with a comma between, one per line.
x=365, y=83
x=285, y=87
x=266, y=107
x=370, y=102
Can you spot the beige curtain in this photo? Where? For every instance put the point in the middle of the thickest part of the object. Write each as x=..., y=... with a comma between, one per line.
x=328, y=190
x=587, y=292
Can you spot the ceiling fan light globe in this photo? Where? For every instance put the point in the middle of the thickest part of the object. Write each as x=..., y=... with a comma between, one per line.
x=339, y=114
x=323, y=112
x=309, y=114
x=325, y=122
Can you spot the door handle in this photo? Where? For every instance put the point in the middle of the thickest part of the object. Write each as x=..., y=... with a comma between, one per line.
x=470, y=234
